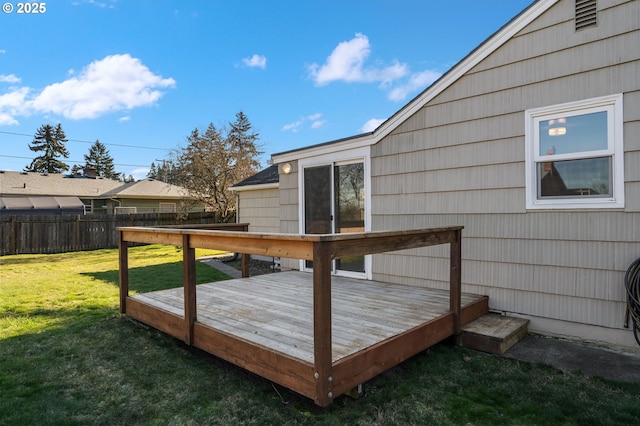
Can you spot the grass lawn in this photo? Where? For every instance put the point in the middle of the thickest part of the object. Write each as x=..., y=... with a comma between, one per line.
x=68, y=357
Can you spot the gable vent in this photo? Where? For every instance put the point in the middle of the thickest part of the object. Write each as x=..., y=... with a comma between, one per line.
x=586, y=14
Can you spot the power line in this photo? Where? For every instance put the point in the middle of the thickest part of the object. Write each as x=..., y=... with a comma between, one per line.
x=92, y=142
x=73, y=161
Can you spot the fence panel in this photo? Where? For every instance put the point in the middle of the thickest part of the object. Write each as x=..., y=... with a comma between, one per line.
x=33, y=234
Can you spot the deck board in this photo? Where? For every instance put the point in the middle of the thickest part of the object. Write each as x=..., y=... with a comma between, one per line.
x=276, y=310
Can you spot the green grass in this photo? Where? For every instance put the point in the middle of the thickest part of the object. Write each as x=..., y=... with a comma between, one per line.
x=68, y=357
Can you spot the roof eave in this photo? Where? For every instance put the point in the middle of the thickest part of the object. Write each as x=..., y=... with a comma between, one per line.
x=255, y=187
x=325, y=148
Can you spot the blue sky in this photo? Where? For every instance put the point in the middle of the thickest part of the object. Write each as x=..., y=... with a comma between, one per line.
x=140, y=75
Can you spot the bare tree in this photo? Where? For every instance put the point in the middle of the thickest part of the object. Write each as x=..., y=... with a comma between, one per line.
x=215, y=160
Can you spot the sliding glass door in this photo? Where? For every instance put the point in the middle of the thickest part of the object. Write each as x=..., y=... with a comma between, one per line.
x=334, y=202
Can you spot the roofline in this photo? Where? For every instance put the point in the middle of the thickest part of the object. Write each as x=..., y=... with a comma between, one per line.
x=484, y=49
x=146, y=197
x=271, y=185
x=320, y=145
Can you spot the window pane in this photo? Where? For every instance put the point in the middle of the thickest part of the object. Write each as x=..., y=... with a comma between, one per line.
x=349, y=205
x=589, y=177
x=349, y=193
x=579, y=133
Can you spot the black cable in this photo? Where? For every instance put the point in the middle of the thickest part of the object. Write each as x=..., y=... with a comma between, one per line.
x=632, y=284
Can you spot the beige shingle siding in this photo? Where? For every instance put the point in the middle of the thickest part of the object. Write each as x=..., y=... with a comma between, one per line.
x=260, y=209
x=289, y=222
x=460, y=161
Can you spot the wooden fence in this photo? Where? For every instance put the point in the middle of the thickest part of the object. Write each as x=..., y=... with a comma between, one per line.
x=28, y=234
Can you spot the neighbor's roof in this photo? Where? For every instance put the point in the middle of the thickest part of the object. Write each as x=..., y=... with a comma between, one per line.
x=55, y=184
x=486, y=48
x=41, y=202
x=264, y=179
x=148, y=188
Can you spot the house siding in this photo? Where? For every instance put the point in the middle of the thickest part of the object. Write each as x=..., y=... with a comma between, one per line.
x=460, y=160
x=289, y=210
x=260, y=208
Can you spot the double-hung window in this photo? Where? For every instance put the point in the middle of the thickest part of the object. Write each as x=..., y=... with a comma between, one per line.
x=574, y=155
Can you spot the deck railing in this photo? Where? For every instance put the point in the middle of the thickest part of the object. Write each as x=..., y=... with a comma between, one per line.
x=321, y=249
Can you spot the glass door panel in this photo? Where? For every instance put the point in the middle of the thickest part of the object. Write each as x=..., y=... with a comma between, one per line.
x=349, y=208
x=317, y=202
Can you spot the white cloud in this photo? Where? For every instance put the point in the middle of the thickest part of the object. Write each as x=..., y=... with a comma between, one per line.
x=416, y=82
x=256, y=61
x=115, y=83
x=292, y=127
x=7, y=120
x=315, y=120
x=11, y=78
x=13, y=104
x=2, y=51
x=372, y=124
x=347, y=63
x=139, y=174
x=124, y=119
x=318, y=123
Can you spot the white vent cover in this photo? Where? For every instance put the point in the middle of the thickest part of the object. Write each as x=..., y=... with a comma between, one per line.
x=586, y=14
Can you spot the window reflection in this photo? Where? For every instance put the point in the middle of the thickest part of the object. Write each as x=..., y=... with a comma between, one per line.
x=579, y=133
x=575, y=178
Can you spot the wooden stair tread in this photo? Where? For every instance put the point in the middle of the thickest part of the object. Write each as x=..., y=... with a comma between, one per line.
x=492, y=333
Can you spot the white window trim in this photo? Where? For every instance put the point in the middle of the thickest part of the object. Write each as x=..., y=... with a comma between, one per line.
x=615, y=149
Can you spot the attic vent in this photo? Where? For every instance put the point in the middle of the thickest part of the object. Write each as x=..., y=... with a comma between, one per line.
x=586, y=14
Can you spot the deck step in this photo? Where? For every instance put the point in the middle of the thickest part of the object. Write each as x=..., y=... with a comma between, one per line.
x=493, y=333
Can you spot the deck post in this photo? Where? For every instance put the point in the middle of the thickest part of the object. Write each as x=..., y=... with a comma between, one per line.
x=455, y=279
x=246, y=257
x=322, y=344
x=189, y=276
x=123, y=265
x=244, y=264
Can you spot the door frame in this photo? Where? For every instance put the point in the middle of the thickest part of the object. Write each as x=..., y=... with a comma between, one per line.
x=331, y=159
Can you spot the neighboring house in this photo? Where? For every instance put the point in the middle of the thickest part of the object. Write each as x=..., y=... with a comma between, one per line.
x=258, y=201
x=531, y=142
x=26, y=192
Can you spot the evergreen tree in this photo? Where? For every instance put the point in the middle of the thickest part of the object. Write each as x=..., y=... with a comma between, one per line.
x=244, y=151
x=76, y=170
x=153, y=173
x=166, y=172
x=50, y=141
x=100, y=159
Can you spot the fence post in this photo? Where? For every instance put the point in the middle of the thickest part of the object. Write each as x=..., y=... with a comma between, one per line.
x=123, y=252
x=76, y=230
x=14, y=235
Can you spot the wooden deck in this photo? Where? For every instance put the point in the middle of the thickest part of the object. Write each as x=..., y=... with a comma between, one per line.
x=317, y=334
x=276, y=311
